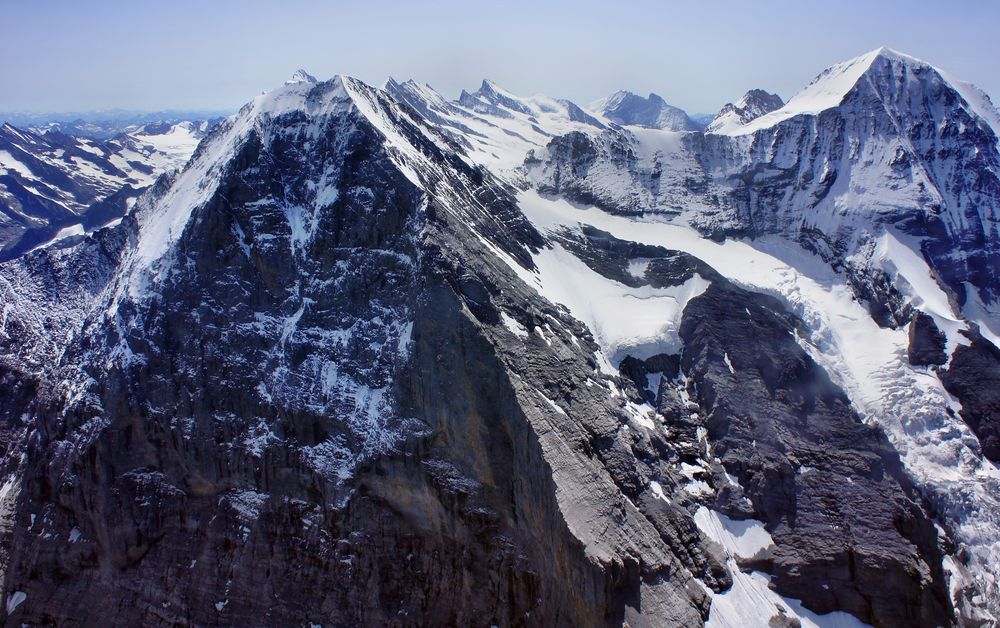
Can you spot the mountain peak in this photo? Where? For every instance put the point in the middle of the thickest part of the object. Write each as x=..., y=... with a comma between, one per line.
x=754, y=104
x=301, y=76
x=833, y=84
x=493, y=99
x=884, y=52
x=628, y=108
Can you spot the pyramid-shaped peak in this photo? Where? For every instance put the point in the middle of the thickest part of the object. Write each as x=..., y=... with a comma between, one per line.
x=490, y=88
x=754, y=104
x=301, y=76
x=884, y=52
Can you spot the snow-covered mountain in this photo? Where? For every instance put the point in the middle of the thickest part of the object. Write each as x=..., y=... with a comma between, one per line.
x=631, y=109
x=751, y=106
x=379, y=357
x=105, y=124
x=57, y=186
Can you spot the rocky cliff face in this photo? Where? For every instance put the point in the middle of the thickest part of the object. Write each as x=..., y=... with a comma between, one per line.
x=903, y=147
x=753, y=105
x=376, y=357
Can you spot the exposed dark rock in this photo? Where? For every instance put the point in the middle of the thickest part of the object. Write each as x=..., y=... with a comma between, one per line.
x=973, y=376
x=927, y=342
x=335, y=428
x=789, y=434
x=831, y=491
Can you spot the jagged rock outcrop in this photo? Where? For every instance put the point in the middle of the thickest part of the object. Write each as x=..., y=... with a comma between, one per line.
x=751, y=106
x=973, y=377
x=927, y=342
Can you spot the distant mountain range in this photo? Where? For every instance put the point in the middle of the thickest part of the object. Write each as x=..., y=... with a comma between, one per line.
x=103, y=124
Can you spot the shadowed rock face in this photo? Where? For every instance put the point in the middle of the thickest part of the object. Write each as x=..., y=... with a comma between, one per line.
x=831, y=490
x=973, y=376
x=927, y=342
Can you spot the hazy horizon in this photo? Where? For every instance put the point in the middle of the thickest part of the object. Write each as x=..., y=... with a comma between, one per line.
x=191, y=56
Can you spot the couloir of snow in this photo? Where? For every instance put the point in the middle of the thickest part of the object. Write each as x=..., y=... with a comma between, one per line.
x=750, y=603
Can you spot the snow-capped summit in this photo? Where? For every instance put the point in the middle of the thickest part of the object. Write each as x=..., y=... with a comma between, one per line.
x=491, y=99
x=754, y=104
x=880, y=74
x=626, y=108
x=301, y=76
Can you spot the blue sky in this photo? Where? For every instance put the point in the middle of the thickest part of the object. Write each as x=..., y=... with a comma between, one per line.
x=62, y=55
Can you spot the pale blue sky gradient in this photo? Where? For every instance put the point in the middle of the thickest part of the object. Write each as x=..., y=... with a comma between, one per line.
x=61, y=55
